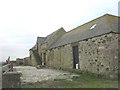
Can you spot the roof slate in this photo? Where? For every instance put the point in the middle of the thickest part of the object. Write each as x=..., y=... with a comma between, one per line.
x=50, y=39
x=41, y=40
x=104, y=24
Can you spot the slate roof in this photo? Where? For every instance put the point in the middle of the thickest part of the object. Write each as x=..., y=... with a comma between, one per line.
x=101, y=25
x=41, y=40
x=50, y=39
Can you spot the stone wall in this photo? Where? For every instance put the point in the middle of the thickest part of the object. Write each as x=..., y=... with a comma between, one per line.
x=60, y=57
x=11, y=80
x=97, y=55
x=66, y=57
x=100, y=55
x=26, y=61
x=29, y=61
x=50, y=39
x=19, y=61
x=33, y=59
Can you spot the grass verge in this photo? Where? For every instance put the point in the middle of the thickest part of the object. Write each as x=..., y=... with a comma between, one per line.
x=82, y=81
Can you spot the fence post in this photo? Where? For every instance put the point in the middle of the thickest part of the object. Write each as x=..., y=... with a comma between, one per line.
x=11, y=66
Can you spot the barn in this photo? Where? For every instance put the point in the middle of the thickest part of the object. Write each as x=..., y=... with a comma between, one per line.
x=91, y=47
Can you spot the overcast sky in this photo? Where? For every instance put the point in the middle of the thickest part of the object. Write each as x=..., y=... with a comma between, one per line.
x=21, y=21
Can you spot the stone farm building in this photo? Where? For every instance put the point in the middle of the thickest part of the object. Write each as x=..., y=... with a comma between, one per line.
x=91, y=47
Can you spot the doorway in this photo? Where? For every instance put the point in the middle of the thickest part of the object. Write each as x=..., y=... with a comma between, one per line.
x=44, y=58
x=75, y=57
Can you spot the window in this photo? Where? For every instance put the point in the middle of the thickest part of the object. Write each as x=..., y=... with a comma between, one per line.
x=93, y=26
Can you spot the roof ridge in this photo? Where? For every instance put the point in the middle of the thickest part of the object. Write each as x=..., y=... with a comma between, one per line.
x=41, y=37
x=81, y=33
x=55, y=31
x=92, y=21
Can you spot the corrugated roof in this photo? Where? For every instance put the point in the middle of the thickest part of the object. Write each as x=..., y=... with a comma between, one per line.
x=104, y=24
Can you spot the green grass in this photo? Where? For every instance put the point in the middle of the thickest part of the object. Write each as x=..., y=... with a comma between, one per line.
x=83, y=81
x=87, y=81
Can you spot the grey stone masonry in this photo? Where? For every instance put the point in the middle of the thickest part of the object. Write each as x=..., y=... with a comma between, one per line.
x=11, y=80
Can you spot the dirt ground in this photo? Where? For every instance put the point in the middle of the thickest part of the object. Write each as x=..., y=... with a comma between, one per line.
x=31, y=74
x=51, y=78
